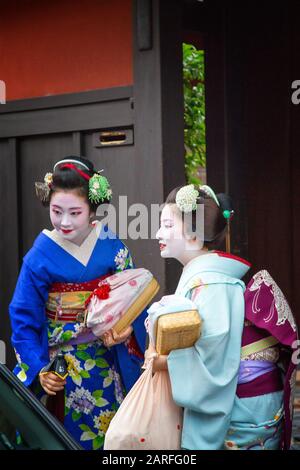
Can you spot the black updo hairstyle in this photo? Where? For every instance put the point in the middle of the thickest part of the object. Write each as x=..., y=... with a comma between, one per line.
x=215, y=224
x=68, y=179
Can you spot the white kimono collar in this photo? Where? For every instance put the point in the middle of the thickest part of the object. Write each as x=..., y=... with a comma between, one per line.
x=83, y=252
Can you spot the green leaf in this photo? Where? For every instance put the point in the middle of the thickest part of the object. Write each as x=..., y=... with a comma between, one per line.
x=82, y=347
x=83, y=297
x=66, y=336
x=100, y=352
x=97, y=394
x=24, y=366
x=88, y=436
x=101, y=402
x=100, y=362
x=194, y=111
x=98, y=442
x=84, y=427
x=104, y=373
x=22, y=375
x=82, y=355
x=76, y=416
x=107, y=382
x=84, y=374
x=89, y=364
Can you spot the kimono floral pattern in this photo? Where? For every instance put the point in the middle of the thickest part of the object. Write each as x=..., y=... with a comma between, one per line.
x=22, y=368
x=123, y=260
x=93, y=391
x=263, y=443
x=266, y=436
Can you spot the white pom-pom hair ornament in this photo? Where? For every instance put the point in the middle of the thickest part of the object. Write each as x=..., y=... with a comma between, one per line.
x=186, y=198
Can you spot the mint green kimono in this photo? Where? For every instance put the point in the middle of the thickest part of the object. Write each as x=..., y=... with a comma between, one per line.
x=204, y=377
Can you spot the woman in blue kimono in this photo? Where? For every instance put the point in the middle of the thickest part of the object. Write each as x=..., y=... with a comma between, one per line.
x=47, y=310
x=228, y=403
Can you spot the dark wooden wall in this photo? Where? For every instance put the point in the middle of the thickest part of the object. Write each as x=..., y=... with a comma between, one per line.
x=252, y=57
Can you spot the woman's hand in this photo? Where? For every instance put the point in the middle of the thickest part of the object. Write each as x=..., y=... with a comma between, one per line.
x=149, y=352
x=159, y=362
x=51, y=383
x=111, y=337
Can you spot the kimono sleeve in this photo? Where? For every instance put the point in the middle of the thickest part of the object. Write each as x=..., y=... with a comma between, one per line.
x=29, y=326
x=204, y=377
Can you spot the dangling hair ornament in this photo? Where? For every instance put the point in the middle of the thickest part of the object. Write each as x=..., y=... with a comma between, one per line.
x=42, y=190
x=227, y=212
x=186, y=198
x=99, y=188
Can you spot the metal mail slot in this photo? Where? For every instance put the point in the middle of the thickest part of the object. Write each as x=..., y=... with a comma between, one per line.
x=113, y=138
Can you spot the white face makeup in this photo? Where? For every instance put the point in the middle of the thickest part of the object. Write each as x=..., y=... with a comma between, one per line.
x=170, y=234
x=172, y=241
x=70, y=216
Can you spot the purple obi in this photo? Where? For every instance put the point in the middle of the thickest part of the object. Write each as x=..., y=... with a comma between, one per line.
x=251, y=370
x=268, y=341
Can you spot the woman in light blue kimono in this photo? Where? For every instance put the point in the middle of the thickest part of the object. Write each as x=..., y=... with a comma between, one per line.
x=208, y=380
x=58, y=274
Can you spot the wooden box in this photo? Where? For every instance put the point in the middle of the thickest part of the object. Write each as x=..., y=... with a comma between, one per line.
x=177, y=331
x=137, y=307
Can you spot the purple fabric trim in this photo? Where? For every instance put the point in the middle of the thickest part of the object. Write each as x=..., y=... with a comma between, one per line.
x=268, y=383
x=251, y=334
x=250, y=370
x=261, y=310
x=87, y=337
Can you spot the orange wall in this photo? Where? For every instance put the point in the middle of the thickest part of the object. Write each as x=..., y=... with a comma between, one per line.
x=62, y=46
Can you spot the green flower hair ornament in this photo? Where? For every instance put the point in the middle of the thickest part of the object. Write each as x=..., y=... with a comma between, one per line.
x=99, y=189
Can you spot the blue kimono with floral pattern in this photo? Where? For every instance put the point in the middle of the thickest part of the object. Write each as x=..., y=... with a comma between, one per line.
x=98, y=376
